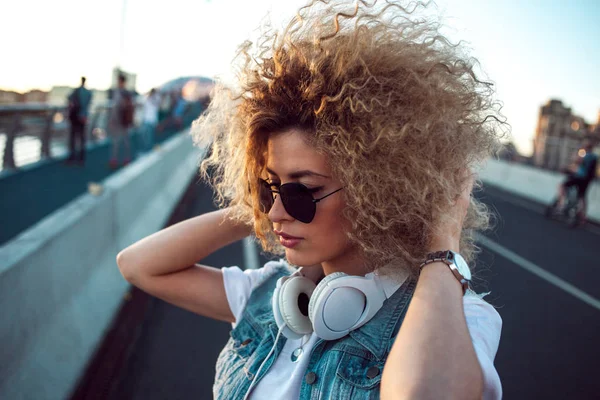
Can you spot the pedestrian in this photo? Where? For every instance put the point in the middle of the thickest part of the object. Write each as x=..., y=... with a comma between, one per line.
x=120, y=122
x=78, y=107
x=150, y=119
x=179, y=111
x=176, y=106
x=346, y=147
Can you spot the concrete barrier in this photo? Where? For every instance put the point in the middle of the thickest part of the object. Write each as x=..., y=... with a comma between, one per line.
x=59, y=283
x=535, y=184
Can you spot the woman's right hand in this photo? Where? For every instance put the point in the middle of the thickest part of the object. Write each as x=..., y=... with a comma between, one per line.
x=448, y=228
x=164, y=263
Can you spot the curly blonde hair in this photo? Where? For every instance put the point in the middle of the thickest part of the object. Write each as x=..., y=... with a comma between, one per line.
x=394, y=106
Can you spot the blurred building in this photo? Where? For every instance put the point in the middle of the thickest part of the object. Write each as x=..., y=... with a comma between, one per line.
x=8, y=97
x=596, y=128
x=58, y=95
x=99, y=97
x=32, y=96
x=35, y=96
x=559, y=135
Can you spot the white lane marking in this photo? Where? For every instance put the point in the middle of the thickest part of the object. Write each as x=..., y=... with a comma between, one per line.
x=534, y=269
x=250, y=254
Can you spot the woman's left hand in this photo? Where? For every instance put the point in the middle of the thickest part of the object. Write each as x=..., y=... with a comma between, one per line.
x=447, y=231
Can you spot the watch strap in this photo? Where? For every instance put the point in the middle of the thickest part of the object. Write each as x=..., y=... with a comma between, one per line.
x=447, y=257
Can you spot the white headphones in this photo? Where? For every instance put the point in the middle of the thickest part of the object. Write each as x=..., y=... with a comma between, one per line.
x=339, y=304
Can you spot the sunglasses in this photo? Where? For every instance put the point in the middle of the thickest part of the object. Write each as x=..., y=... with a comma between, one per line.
x=296, y=198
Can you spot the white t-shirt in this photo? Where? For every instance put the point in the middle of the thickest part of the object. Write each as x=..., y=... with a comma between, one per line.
x=284, y=378
x=150, y=111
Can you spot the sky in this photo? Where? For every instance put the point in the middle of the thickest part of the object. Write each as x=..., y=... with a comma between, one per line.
x=532, y=51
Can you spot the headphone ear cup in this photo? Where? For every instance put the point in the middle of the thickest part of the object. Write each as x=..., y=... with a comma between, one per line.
x=275, y=304
x=319, y=292
x=339, y=307
x=289, y=299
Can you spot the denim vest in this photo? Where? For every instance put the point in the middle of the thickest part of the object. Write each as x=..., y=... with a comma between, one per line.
x=347, y=368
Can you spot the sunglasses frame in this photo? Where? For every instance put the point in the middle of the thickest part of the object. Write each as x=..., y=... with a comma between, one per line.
x=263, y=182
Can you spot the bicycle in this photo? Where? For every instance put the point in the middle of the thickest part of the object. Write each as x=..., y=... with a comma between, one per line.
x=571, y=210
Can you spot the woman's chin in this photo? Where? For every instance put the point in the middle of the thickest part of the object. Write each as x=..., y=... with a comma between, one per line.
x=293, y=257
x=301, y=259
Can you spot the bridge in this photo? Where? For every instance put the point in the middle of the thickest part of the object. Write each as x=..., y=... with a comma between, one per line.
x=74, y=329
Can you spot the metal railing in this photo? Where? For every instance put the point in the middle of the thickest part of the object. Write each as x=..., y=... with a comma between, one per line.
x=37, y=131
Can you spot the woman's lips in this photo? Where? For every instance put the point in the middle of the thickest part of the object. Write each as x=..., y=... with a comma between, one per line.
x=288, y=240
x=289, y=243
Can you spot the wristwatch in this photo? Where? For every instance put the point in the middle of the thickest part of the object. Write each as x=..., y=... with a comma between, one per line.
x=457, y=265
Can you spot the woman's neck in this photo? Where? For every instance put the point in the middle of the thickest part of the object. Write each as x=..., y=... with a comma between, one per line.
x=350, y=262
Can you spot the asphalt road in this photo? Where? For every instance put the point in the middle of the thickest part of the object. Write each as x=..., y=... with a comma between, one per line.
x=550, y=345
x=550, y=340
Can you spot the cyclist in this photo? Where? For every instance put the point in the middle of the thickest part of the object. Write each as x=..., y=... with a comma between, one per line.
x=585, y=173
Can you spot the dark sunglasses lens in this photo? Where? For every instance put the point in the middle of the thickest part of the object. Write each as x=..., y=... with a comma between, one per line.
x=265, y=196
x=298, y=202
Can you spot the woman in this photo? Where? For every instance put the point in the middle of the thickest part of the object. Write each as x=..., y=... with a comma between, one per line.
x=346, y=147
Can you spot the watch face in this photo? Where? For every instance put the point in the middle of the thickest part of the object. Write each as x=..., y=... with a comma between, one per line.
x=462, y=266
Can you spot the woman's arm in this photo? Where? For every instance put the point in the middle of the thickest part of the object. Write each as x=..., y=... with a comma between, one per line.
x=163, y=264
x=433, y=356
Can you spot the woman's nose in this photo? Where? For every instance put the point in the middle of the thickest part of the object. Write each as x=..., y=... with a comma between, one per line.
x=278, y=212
